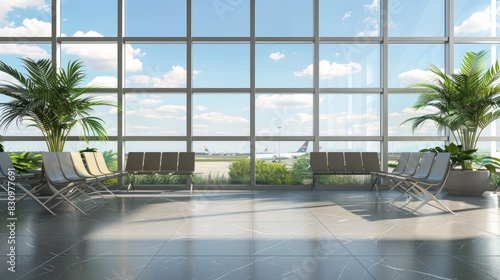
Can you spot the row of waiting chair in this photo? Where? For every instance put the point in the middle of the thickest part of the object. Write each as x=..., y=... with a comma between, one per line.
x=343, y=163
x=167, y=163
x=415, y=175
x=66, y=174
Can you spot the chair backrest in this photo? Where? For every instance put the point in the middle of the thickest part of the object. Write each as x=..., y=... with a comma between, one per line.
x=412, y=164
x=425, y=166
x=152, y=161
x=52, y=169
x=66, y=164
x=6, y=165
x=353, y=162
x=371, y=162
x=101, y=163
x=336, y=162
x=440, y=168
x=318, y=162
x=186, y=161
x=79, y=165
x=169, y=161
x=134, y=161
x=402, y=161
x=91, y=164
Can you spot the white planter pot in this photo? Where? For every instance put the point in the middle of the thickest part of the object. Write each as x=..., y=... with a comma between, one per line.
x=467, y=182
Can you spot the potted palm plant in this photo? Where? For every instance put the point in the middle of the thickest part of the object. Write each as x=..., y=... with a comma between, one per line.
x=465, y=103
x=51, y=100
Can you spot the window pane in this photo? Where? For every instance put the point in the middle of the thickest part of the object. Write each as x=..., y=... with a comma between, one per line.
x=145, y=18
x=284, y=65
x=100, y=62
x=30, y=19
x=222, y=162
x=350, y=146
x=400, y=109
x=396, y=147
x=221, y=114
x=155, y=65
x=221, y=18
x=94, y=18
x=221, y=65
x=349, y=115
x=353, y=18
x=424, y=18
x=461, y=49
x=283, y=114
x=407, y=63
x=349, y=65
x=106, y=147
x=107, y=113
x=154, y=146
x=155, y=114
x=284, y=18
x=476, y=18
x=282, y=162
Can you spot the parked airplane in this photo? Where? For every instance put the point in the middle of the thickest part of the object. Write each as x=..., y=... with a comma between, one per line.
x=265, y=155
x=207, y=152
x=289, y=155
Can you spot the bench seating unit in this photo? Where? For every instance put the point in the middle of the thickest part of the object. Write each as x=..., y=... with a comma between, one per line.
x=343, y=163
x=157, y=163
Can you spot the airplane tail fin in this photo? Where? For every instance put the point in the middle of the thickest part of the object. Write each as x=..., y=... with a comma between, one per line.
x=206, y=149
x=303, y=148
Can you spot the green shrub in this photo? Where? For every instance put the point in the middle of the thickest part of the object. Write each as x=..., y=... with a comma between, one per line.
x=239, y=171
x=266, y=172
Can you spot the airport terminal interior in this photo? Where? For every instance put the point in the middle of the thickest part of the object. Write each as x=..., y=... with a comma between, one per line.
x=242, y=99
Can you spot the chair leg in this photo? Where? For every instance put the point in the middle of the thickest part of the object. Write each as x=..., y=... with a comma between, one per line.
x=59, y=193
x=191, y=182
x=30, y=194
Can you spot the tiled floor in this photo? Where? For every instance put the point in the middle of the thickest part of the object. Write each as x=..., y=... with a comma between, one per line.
x=255, y=235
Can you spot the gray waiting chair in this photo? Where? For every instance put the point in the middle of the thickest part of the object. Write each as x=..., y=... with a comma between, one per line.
x=10, y=177
x=420, y=189
x=319, y=165
x=169, y=162
x=186, y=166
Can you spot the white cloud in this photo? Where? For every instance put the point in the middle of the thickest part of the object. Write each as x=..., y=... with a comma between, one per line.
x=201, y=108
x=150, y=101
x=374, y=6
x=103, y=81
x=22, y=50
x=343, y=117
x=30, y=28
x=162, y=112
x=346, y=15
x=8, y=6
x=371, y=25
x=176, y=77
x=416, y=76
x=477, y=22
x=300, y=118
x=102, y=57
x=216, y=117
x=332, y=70
x=277, y=56
x=87, y=34
x=283, y=101
x=421, y=111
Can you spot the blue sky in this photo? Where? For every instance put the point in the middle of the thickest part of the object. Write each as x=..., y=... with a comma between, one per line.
x=227, y=65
